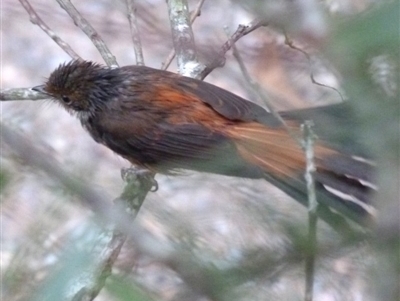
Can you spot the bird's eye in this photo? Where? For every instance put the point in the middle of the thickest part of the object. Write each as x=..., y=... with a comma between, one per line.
x=66, y=99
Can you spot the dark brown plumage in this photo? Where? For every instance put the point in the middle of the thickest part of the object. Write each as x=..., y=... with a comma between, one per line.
x=163, y=121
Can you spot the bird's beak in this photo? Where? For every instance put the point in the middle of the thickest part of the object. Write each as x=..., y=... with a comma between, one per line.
x=40, y=89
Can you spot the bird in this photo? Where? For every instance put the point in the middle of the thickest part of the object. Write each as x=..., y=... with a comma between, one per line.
x=165, y=122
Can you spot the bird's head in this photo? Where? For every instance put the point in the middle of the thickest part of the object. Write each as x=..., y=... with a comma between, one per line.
x=80, y=86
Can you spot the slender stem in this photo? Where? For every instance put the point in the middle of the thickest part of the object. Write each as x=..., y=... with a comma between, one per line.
x=241, y=31
x=137, y=44
x=261, y=94
x=35, y=19
x=88, y=29
x=130, y=201
x=309, y=139
x=290, y=43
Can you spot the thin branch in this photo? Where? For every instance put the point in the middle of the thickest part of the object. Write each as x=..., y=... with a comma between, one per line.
x=130, y=201
x=309, y=139
x=290, y=43
x=242, y=30
x=137, y=44
x=88, y=29
x=183, y=39
x=20, y=94
x=88, y=288
x=259, y=91
x=193, y=15
x=35, y=19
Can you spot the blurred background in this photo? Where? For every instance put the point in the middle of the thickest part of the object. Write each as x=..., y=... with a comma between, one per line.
x=237, y=239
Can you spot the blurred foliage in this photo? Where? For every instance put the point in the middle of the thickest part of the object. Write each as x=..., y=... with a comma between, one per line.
x=356, y=40
x=370, y=33
x=355, y=46
x=355, y=43
x=4, y=179
x=124, y=290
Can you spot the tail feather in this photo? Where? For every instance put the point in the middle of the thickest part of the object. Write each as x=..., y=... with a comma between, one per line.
x=274, y=150
x=352, y=187
x=343, y=182
x=350, y=166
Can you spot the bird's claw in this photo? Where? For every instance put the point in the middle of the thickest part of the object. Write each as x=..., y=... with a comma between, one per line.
x=131, y=173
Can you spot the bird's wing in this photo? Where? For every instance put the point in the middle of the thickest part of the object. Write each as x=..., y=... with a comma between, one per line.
x=227, y=104
x=162, y=145
x=172, y=89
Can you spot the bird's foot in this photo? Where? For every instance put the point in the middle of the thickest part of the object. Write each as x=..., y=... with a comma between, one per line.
x=132, y=173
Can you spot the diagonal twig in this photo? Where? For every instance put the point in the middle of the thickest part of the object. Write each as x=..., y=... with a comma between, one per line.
x=35, y=19
x=88, y=29
x=130, y=201
x=290, y=43
x=260, y=92
x=240, y=32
